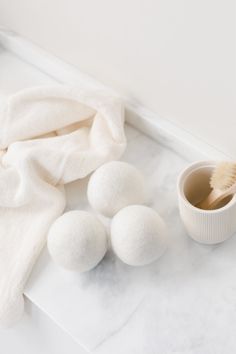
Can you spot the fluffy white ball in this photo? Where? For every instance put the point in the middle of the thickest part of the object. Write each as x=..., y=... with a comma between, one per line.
x=77, y=241
x=138, y=235
x=114, y=186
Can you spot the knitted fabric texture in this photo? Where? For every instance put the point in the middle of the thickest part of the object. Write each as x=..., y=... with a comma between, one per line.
x=49, y=136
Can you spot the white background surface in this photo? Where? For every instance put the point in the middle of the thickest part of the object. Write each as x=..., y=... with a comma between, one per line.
x=37, y=334
x=178, y=58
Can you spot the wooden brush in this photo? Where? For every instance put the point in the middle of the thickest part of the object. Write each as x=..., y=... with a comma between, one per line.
x=223, y=184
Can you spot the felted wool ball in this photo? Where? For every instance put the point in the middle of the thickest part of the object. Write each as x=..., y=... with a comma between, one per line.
x=77, y=241
x=138, y=235
x=114, y=186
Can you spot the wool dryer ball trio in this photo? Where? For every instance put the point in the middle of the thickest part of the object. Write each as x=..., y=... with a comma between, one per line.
x=78, y=241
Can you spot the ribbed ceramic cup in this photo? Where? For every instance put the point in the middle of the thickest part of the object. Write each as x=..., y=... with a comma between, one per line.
x=205, y=226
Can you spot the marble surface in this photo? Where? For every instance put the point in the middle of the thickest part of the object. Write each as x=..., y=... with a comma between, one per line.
x=183, y=303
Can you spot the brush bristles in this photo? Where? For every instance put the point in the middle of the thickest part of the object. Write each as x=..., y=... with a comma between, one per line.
x=224, y=176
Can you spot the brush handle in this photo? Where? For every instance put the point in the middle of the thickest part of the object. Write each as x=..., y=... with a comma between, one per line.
x=215, y=197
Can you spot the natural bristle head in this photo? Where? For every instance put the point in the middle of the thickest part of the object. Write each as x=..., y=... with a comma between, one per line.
x=224, y=176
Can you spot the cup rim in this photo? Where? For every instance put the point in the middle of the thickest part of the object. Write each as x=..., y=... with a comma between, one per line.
x=180, y=184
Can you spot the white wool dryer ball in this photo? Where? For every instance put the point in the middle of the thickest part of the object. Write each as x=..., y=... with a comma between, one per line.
x=77, y=241
x=138, y=235
x=114, y=186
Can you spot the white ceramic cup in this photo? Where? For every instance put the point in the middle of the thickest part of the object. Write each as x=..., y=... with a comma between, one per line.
x=205, y=226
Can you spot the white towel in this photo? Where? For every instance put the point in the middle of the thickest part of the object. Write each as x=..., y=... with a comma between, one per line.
x=49, y=136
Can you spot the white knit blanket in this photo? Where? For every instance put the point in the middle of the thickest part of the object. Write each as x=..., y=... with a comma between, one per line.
x=49, y=136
